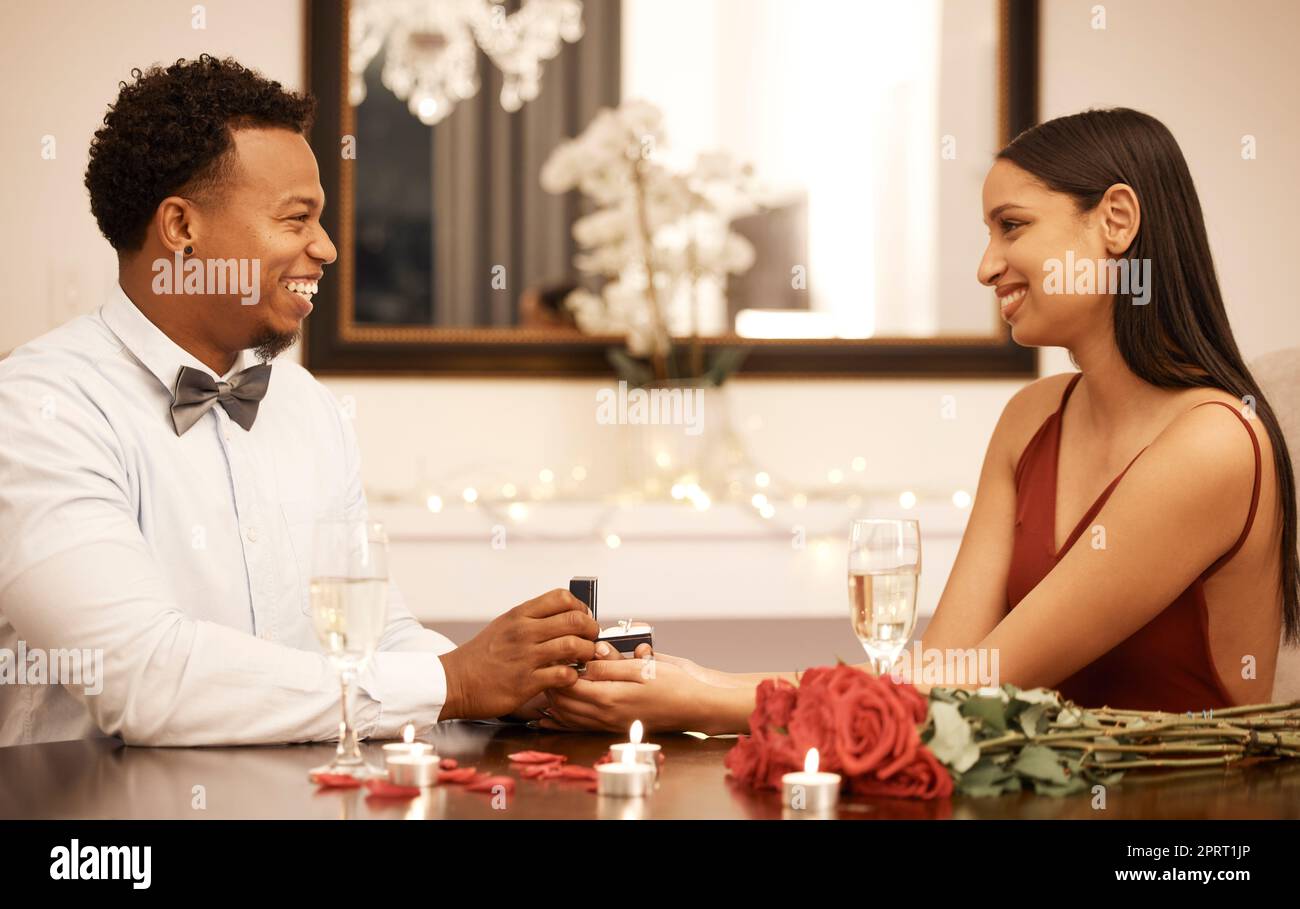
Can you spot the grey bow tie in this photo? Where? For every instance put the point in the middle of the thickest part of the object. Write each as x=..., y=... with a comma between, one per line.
x=196, y=392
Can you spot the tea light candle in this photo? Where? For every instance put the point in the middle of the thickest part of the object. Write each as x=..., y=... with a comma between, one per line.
x=616, y=809
x=642, y=752
x=407, y=746
x=413, y=770
x=811, y=791
x=626, y=778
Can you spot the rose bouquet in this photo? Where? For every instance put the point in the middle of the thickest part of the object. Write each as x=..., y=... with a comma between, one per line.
x=886, y=739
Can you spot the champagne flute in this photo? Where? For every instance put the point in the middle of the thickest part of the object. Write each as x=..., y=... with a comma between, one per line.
x=884, y=566
x=349, y=606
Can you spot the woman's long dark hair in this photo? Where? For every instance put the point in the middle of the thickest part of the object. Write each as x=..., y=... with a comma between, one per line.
x=1180, y=337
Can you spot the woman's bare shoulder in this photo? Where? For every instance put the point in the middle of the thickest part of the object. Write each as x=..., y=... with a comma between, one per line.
x=1201, y=426
x=1039, y=398
x=1025, y=412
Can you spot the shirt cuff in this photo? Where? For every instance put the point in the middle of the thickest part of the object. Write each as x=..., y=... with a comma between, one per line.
x=402, y=687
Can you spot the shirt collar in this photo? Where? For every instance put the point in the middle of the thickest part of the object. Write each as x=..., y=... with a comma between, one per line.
x=149, y=344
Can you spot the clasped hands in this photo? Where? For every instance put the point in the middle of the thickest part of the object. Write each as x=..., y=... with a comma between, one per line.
x=520, y=666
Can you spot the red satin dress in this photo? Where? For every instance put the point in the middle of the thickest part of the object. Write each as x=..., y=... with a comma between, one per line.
x=1164, y=665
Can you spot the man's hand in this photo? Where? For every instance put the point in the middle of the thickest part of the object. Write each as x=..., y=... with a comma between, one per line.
x=518, y=655
x=536, y=708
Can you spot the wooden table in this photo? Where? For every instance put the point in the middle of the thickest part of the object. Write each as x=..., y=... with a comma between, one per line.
x=101, y=778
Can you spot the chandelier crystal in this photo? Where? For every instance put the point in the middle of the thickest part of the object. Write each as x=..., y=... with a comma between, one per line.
x=431, y=48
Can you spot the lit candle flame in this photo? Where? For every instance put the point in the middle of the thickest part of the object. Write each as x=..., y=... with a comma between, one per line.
x=810, y=761
x=408, y=733
x=637, y=731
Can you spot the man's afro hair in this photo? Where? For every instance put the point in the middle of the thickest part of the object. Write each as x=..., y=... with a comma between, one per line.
x=170, y=131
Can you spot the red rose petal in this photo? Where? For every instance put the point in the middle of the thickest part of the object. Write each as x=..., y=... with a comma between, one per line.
x=537, y=757
x=533, y=771
x=335, y=780
x=577, y=772
x=387, y=790
x=448, y=763
x=594, y=787
x=459, y=775
x=605, y=759
x=488, y=783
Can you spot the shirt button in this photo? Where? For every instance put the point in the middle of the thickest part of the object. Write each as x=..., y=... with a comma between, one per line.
x=251, y=533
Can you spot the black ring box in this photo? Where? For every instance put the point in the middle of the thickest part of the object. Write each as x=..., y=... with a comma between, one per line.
x=621, y=637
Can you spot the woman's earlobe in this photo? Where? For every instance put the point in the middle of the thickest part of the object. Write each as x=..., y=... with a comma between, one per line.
x=1122, y=243
x=1117, y=244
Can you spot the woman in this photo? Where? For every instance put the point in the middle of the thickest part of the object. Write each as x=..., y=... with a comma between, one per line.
x=1133, y=538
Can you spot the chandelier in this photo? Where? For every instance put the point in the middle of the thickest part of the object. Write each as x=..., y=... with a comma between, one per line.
x=430, y=48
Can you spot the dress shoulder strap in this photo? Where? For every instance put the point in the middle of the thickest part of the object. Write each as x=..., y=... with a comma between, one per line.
x=1069, y=388
x=1055, y=415
x=1254, y=496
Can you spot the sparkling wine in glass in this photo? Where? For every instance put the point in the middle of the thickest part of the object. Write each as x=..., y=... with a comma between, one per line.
x=349, y=609
x=884, y=567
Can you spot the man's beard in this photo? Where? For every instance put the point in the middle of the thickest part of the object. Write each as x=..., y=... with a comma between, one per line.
x=271, y=344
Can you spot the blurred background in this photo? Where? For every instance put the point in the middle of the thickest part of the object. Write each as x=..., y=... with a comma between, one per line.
x=502, y=488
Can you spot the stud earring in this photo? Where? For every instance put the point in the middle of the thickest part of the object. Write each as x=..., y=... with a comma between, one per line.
x=189, y=250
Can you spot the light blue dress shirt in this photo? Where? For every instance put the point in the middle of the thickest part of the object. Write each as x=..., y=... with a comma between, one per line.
x=183, y=561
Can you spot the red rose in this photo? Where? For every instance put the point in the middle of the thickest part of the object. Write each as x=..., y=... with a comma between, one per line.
x=774, y=704
x=743, y=760
x=872, y=730
x=813, y=725
x=864, y=727
x=774, y=701
x=923, y=778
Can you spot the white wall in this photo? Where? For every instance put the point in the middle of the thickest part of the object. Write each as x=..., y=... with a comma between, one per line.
x=60, y=64
x=1212, y=71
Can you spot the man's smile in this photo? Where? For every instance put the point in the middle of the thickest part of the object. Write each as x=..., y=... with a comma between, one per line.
x=302, y=288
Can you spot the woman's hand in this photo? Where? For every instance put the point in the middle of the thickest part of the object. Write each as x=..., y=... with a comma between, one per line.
x=664, y=693
x=715, y=677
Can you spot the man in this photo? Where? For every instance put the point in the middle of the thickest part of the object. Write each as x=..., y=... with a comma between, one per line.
x=158, y=492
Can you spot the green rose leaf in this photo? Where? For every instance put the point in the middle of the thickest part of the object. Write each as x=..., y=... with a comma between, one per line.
x=1033, y=720
x=998, y=693
x=1069, y=717
x=987, y=778
x=952, y=742
x=1039, y=762
x=1038, y=696
x=991, y=711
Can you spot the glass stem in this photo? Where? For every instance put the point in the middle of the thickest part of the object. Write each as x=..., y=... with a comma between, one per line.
x=349, y=750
